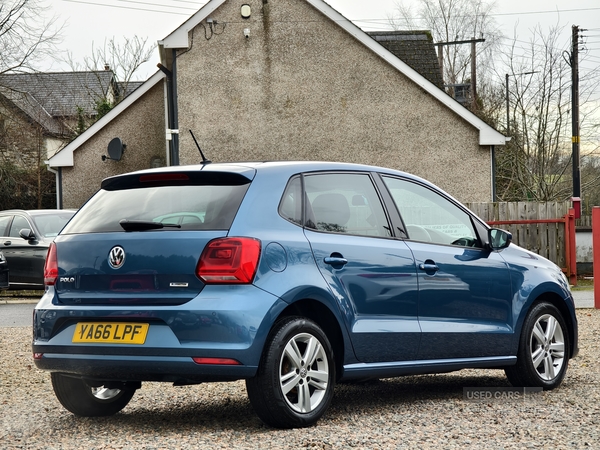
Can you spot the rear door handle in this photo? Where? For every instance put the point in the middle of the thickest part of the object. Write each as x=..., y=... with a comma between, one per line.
x=335, y=261
x=429, y=266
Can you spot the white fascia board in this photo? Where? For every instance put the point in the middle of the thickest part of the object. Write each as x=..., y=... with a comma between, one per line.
x=180, y=37
x=487, y=134
x=64, y=158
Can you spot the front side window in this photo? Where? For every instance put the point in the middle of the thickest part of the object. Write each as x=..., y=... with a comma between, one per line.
x=51, y=224
x=19, y=223
x=429, y=217
x=344, y=203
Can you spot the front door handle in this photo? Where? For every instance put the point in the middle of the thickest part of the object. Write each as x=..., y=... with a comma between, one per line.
x=7, y=243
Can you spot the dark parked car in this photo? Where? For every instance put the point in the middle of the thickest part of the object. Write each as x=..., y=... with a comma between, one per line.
x=24, y=238
x=292, y=276
x=3, y=272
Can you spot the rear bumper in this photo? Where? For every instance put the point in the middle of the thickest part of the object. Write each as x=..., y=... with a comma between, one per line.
x=142, y=368
x=222, y=322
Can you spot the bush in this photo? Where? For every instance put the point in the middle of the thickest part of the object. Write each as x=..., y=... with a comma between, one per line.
x=22, y=188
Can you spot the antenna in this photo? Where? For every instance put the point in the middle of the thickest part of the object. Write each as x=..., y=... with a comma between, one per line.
x=204, y=160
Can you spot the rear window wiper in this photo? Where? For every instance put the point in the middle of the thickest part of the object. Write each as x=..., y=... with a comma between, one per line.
x=142, y=225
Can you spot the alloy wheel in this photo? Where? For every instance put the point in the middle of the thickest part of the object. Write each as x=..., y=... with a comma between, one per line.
x=304, y=373
x=547, y=347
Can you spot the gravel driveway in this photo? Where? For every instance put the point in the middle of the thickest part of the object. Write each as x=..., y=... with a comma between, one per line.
x=410, y=412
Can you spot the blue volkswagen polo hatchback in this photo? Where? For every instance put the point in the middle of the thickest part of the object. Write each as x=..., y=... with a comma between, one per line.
x=292, y=276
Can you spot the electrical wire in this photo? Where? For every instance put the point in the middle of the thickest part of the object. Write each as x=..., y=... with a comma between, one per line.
x=546, y=12
x=386, y=21
x=373, y=24
x=195, y=4
x=156, y=4
x=131, y=8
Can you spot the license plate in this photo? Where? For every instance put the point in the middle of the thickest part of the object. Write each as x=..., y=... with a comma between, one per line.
x=112, y=332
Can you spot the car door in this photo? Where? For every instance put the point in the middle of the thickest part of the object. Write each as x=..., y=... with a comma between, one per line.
x=25, y=258
x=6, y=243
x=465, y=297
x=371, y=273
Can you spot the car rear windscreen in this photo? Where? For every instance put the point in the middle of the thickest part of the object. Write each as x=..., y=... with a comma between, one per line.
x=176, y=207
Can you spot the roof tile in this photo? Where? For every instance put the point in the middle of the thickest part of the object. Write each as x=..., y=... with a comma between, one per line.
x=415, y=48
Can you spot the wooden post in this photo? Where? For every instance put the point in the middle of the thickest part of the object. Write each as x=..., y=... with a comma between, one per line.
x=596, y=253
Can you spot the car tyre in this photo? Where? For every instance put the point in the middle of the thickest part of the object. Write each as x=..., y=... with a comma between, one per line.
x=87, y=401
x=296, y=376
x=543, y=353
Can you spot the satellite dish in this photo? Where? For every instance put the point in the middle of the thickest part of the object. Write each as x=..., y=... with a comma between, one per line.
x=115, y=149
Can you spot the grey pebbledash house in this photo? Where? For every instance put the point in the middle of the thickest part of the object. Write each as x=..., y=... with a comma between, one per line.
x=286, y=79
x=39, y=112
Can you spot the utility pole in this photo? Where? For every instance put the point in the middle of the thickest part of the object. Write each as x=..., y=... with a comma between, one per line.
x=473, y=43
x=575, y=108
x=473, y=76
x=507, y=108
x=507, y=97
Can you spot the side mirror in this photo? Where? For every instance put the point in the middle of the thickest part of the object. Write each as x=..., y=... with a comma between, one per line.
x=499, y=239
x=27, y=234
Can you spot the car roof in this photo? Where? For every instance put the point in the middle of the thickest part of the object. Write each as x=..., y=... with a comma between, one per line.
x=250, y=168
x=37, y=212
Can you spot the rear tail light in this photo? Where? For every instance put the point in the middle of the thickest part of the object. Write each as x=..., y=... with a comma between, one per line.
x=229, y=261
x=51, y=266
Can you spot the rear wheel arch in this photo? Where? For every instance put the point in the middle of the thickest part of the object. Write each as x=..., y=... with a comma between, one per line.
x=296, y=377
x=326, y=319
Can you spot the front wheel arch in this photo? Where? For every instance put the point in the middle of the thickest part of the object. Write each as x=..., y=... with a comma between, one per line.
x=543, y=350
x=560, y=304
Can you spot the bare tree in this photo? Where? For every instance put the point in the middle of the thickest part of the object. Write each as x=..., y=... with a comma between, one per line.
x=26, y=35
x=449, y=21
x=123, y=58
x=536, y=164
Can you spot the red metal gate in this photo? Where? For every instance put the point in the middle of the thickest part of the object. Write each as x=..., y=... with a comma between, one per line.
x=570, y=250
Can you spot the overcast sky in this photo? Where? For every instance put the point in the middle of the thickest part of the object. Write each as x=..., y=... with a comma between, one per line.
x=88, y=21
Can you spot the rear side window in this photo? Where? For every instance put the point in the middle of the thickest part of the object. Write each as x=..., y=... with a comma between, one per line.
x=344, y=203
x=190, y=207
x=4, y=221
x=290, y=207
